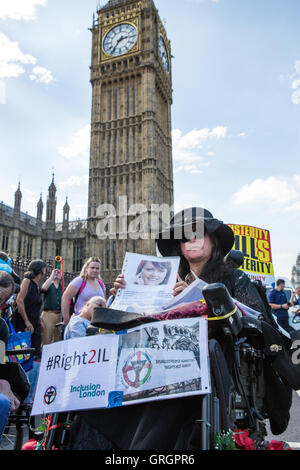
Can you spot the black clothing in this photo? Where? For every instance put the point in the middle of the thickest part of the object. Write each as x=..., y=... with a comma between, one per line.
x=4, y=331
x=242, y=289
x=52, y=298
x=33, y=304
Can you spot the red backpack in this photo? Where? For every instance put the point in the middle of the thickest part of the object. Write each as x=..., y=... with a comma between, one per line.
x=73, y=301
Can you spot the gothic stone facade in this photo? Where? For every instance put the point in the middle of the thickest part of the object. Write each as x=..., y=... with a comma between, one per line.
x=22, y=235
x=131, y=146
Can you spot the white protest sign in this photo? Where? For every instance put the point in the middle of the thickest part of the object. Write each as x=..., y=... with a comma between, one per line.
x=76, y=374
x=155, y=361
x=149, y=283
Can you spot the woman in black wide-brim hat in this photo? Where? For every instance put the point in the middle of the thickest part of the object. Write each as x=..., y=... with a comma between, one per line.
x=202, y=242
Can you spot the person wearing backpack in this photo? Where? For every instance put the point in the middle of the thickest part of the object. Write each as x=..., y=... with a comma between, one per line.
x=88, y=284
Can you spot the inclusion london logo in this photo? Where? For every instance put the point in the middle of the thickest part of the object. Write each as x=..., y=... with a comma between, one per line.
x=87, y=391
x=50, y=395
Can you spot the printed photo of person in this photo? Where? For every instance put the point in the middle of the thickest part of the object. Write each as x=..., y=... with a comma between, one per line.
x=153, y=273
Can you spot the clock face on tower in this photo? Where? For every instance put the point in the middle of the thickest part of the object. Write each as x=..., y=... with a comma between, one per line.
x=120, y=39
x=163, y=53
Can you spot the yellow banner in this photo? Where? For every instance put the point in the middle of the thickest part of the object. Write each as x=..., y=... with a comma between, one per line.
x=255, y=244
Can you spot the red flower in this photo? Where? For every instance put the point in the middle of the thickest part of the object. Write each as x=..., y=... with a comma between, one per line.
x=277, y=445
x=242, y=440
x=29, y=445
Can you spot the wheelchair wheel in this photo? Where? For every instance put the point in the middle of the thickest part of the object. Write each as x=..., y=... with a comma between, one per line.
x=210, y=418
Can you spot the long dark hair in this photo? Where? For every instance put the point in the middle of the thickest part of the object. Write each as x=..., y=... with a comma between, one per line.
x=215, y=270
x=35, y=268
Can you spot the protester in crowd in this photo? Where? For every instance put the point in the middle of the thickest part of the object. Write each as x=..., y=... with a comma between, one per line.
x=279, y=304
x=88, y=284
x=295, y=301
x=78, y=324
x=8, y=401
x=5, y=265
x=152, y=273
x=202, y=242
x=52, y=292
x=29, y=304
x=7, y=287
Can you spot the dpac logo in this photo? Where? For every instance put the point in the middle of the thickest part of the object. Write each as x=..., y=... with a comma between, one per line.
x=137, y=369
x=50, y=395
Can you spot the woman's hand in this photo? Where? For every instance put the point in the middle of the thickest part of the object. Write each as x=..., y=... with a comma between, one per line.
x=5, y=389
x=118, y=284
x=29, y=326
x=179, y=286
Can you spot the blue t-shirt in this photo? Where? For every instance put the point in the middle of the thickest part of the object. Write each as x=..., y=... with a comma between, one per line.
x=278, y=298
x=76, y=327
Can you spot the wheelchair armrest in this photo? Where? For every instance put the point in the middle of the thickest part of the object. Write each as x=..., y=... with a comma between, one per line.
x=218, y=299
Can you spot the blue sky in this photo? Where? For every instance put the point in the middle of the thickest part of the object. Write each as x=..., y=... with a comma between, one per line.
x=235, y=117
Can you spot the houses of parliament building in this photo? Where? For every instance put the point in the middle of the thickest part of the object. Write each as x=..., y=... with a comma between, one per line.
x=130, y=144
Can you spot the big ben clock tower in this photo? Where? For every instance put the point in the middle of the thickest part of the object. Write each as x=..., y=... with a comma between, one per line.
x=131, y=146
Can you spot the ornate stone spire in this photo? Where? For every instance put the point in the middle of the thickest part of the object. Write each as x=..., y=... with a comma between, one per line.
x=18, y=198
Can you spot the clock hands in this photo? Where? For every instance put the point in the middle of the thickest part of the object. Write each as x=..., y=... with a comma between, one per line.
x=119, y=40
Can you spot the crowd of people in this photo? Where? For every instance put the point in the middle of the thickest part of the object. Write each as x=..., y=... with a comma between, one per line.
x=41, y=304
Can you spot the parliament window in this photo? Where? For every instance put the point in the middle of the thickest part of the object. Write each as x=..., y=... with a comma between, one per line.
x=133, y=100
x=133, y=144
x=127, y=145
x=29, y=249
x=114, y=260
x=107, y=253
x=5, y=238
x=108, y=149
x=115, y=148
x=116, y=104
x=109, y=105
x=77, y=256
x=128, y=101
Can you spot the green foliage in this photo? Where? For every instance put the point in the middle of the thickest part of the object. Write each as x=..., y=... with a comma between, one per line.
x=224, y=441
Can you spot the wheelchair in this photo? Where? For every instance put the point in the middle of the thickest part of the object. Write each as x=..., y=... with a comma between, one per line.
x=249, y=385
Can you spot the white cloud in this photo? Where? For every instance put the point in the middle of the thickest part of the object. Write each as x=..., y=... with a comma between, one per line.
x=188, y=148
x=78, y=145
x=296, y=96
x=275, y=193
x=20, y=9
x=12, y=59
x=41, y=75
x=14, y=63
x=2, y=92
x=295, y=83
x=193, y=169
x=73, y=181
x=297, y=67
x=201, y=1
x=296, y=179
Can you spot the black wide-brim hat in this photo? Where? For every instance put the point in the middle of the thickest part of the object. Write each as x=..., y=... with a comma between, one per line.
x=167, y=239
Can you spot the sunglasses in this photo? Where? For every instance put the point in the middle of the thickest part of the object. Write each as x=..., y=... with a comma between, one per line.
x=195, y=231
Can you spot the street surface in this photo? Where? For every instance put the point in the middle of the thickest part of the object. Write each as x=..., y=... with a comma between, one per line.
x=292, y=434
